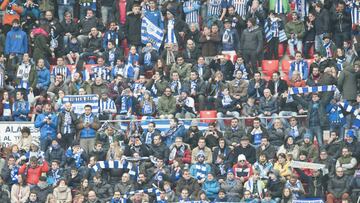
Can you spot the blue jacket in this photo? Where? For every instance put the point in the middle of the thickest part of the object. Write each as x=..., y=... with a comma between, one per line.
x=43, y=77
x=20, y=108
x=335, y=115
x=16, y=42
x=170, y=136
x=89, y=132
x=211, y=188
x=46, y=129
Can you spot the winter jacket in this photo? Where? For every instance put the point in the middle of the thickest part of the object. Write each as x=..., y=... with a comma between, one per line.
x=61, y=123
x=244, y=170
x=43, y=77
x=211, y=188
x=183, y=153
x=41, y=48
x=221, y=107
x=46, y=130
x=295, y=27
x=210, y=46
x=133, y=29
x=311, y=149
x=184, y=70
x=226, y=67
x=322, y=22
x=71, y=28
x=269, y=105
x=233, y=135
x=347, y=83
x=123, y=187
x=62, y=194
x=252, y=91
x=233, y=189
x=20, y=194
x=349, y=164
x=16, y=42
x=166, y=105
x=88, y=132
x=33, y=174
x=341, y=22
x=249, y=152
x=58, y=154
x=207, y=152
x=103, y=191
x=42, y=191
x=93, y=43
x=86, y=24
x=338, y=185
x=191, y=184
x=252, y=40
x=75, y=86
x=238, y=88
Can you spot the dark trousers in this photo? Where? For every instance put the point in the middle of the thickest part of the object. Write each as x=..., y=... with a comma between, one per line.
x=250, y=57
x=273, y=48
x=340, y=37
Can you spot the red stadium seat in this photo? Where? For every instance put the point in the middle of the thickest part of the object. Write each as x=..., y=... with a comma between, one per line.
x=208, y=114
x=285, y=66
x=270, y=66
x=281, y=50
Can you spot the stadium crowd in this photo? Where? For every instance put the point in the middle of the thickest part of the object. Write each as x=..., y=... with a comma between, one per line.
x=273, y=140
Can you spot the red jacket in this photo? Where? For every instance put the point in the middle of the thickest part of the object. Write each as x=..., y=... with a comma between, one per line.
x=244, y=171
x=33, y=174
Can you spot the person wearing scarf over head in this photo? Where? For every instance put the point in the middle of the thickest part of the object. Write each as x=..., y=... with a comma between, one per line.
x=328, y=48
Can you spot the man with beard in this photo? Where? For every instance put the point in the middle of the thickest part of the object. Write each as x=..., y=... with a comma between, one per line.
x=158, y=148
x=76, y=83
x=58, y=85
x=167, y=104
x=188, y=183
x=66, y=126
x=233, y=187
x=200, y=169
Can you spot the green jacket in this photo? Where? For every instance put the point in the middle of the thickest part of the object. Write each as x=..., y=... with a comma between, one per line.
x=83, y=84
x=166, y=105
x=297, y=28
x=284, y=2
x=184, y=70
x=160, y=86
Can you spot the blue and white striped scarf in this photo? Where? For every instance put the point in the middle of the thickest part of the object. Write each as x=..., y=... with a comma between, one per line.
x=303, y=90
x=350, y=109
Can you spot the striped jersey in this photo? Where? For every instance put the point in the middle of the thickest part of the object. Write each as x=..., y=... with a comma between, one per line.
x=170, y=35
x=107, y=104
x=101, y=71
x=215, y=7
x=241, y=6
x=191, y=9
x=63, y=70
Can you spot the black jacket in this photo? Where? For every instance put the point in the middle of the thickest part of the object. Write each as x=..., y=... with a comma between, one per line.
x=71, y=28
x=252, y=40
x=133, y=29
x=281, y=88
x=341, y=22
x=322, y=22
x=55, y=154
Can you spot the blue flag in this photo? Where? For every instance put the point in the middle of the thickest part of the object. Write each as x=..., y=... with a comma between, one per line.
x=151, y=33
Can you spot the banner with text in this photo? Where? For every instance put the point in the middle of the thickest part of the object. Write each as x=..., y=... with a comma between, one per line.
x=10, y=132
x=79, y=101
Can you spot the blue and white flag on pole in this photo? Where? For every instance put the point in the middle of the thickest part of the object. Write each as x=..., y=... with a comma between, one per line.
x=78, y=102
x=303, y=90
x=151, y=33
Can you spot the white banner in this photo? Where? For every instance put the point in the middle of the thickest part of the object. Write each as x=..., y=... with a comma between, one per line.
x=303, y=164
x=79, y=101
x=10, y=132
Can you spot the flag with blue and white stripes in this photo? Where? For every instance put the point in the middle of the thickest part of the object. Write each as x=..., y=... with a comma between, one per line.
x=112, y=165
x=303, y=90
x=164, y=125
x=272, y=29
x=79, y=101
x=151, y=33
x=350, y=109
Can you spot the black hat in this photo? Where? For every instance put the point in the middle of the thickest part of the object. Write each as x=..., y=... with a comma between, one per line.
x=172, y=10
x=227, y=20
